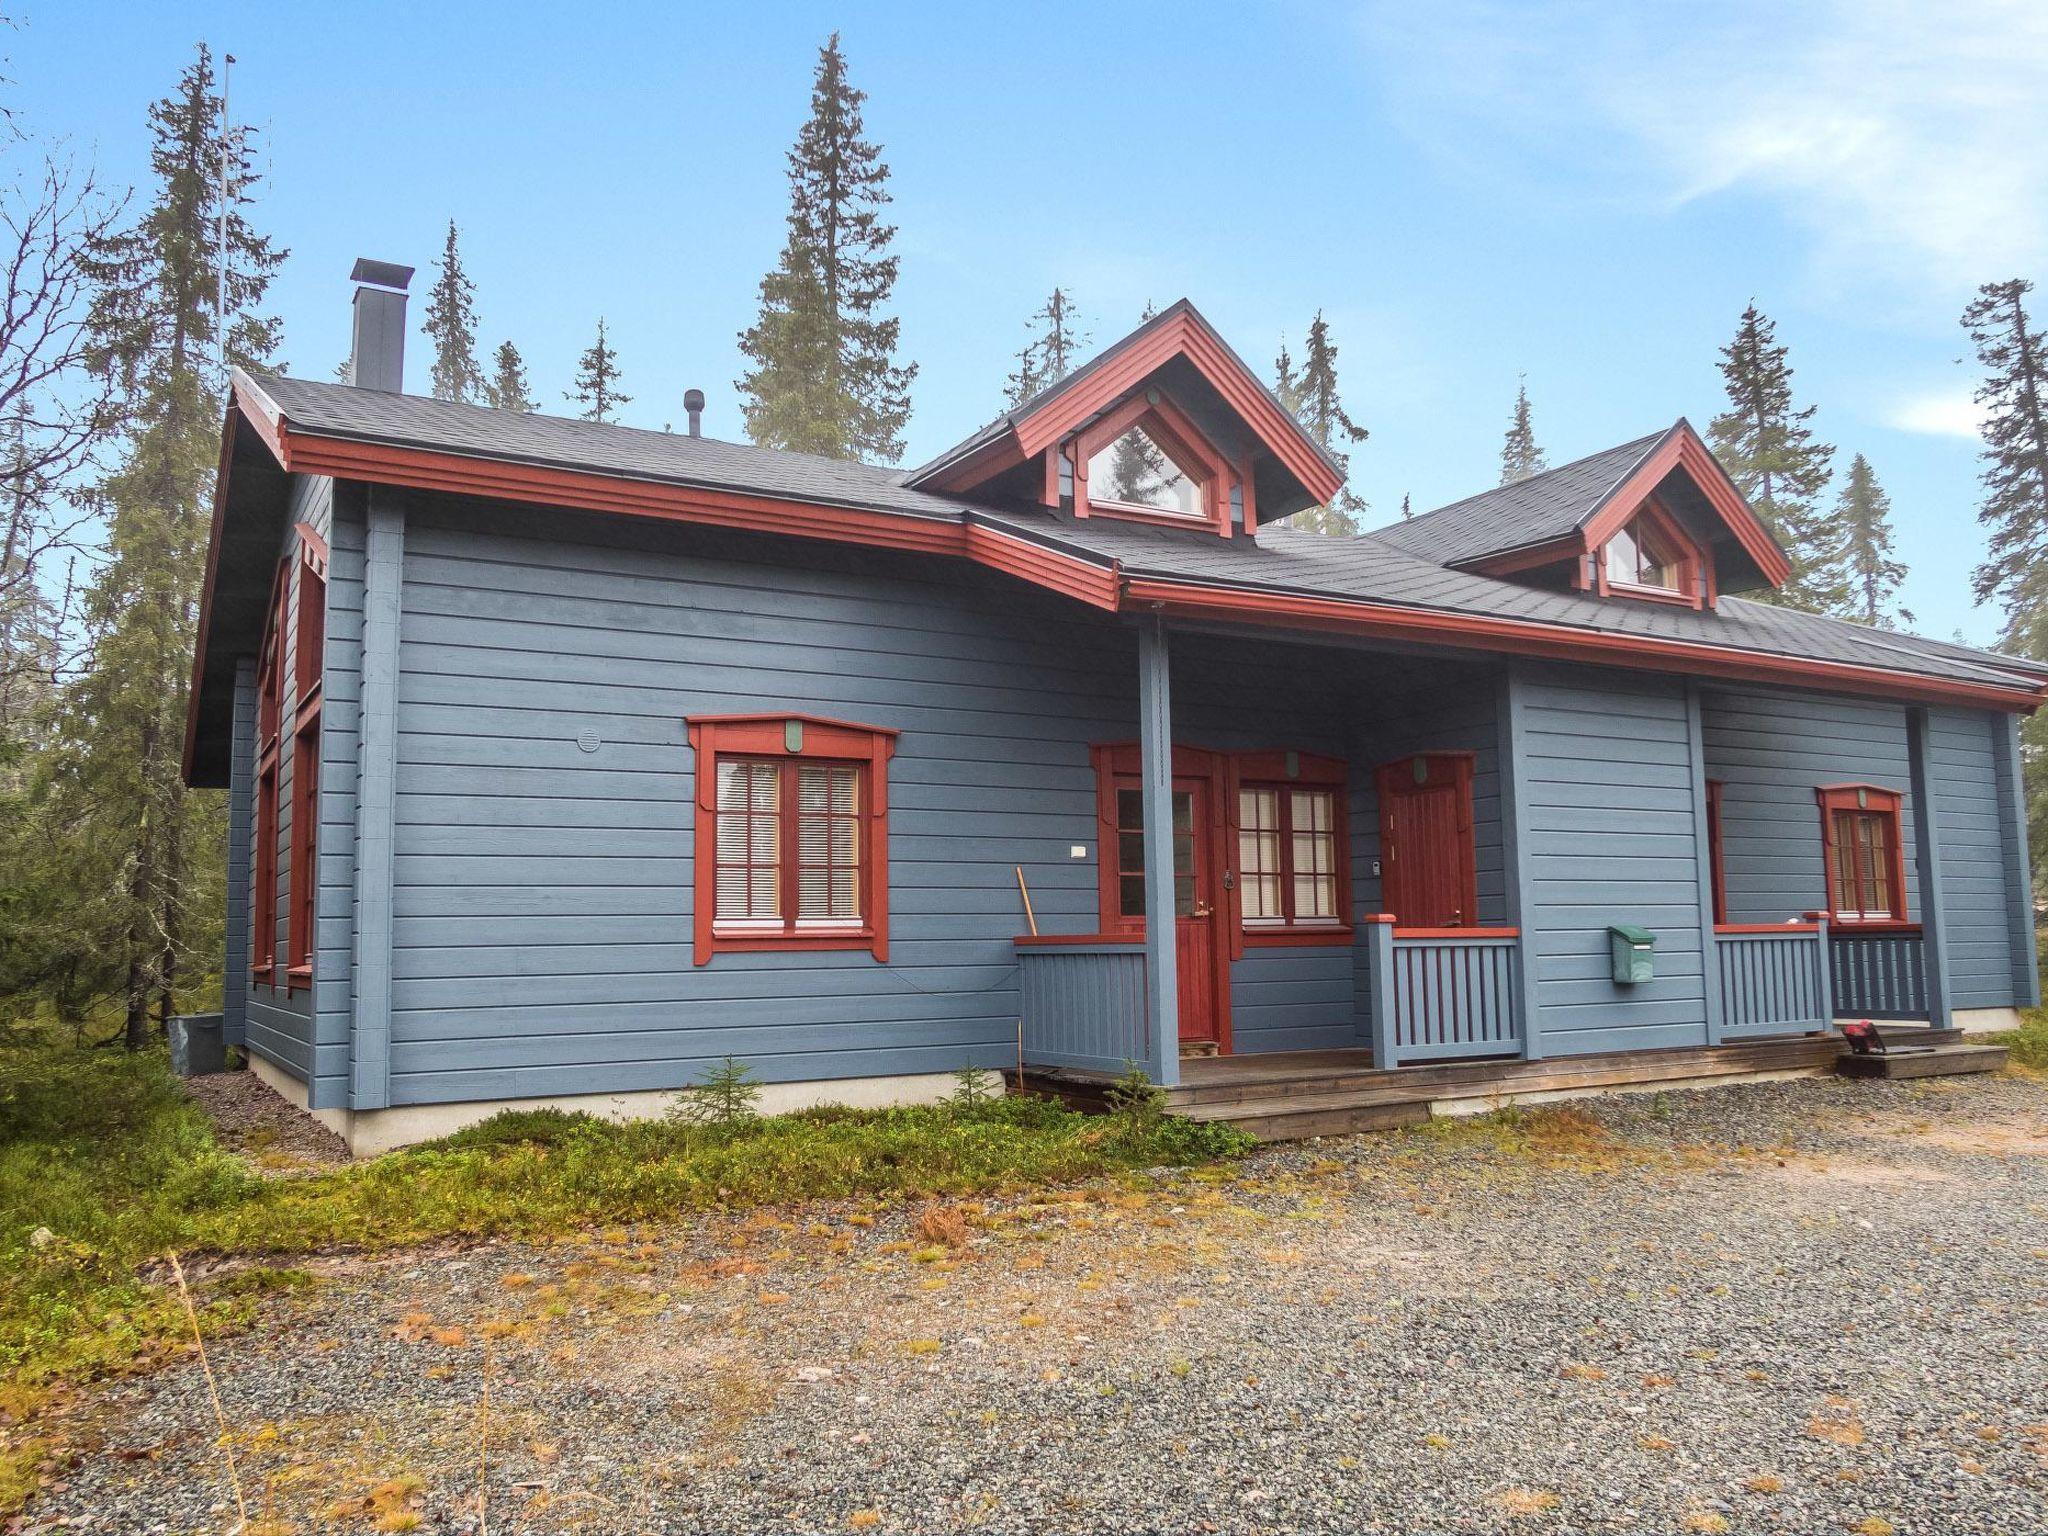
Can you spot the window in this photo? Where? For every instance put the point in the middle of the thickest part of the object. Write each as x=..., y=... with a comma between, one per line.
x=791, y=840
x=1636, y=558
x=1145, y=458
x=1130, y=853
x=1287, y=855
x=1134, y=472
x=308, y=663
x=1865, y=860
x=269, y=711
x=1651, y=555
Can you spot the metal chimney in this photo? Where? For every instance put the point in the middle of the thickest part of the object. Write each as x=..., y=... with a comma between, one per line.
x=693, y=402
x=377, y=360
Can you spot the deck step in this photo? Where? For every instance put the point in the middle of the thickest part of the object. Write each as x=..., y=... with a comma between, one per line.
x=1942, y=1061
x=1299, y=1116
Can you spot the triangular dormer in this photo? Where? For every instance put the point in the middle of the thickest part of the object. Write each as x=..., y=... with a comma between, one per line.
x=1656, y=519
x=1166, y=426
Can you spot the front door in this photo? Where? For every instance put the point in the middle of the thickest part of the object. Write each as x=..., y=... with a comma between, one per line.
x=1195, y=907
x=1427, y=872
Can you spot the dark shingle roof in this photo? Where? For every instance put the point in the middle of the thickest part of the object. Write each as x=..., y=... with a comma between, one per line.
x=368, y=415
x=1386, y=566
x=1532, y=511
x=1369, y=568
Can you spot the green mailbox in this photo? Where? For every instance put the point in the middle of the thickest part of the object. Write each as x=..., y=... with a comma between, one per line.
x=1635, y=952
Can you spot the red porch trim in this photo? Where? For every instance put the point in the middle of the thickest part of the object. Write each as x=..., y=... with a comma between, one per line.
x=1456, y=933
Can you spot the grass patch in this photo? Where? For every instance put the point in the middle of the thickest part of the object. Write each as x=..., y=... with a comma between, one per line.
x=2029, y=1043
x=105, y=1164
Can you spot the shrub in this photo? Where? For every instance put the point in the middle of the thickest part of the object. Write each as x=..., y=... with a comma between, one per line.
x=2029, y=1043
x=519, y=1127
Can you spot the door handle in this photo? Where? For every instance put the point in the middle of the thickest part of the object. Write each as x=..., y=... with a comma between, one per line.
x=1202, y=912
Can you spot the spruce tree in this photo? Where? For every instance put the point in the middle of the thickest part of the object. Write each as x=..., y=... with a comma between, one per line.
x=1769, y=450
x=824, y=377
x=1407, y=510
x=597, y=380
x=1321, y=414
x=148, y=851
x=1519, y=456
x=1864, y=514
x=508, y=388
x=2014, y=573
x=1286, y=382
x=451, y=325
x=2014, y=396
x=1051, y=350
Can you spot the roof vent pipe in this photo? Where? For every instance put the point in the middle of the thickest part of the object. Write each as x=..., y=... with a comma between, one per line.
x=693, y=402
x=377, y=356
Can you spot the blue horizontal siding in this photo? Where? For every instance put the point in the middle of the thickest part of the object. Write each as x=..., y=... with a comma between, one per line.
x=1605, y=814
x=1965, y=784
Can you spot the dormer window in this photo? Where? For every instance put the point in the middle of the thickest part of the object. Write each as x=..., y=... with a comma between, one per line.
x=1651, y=556
x=1636, y=558
x=1135, y=473
x=1145, y=458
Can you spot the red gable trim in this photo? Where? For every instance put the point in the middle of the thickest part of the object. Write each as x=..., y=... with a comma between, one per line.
x=1528, y=637
x=426, y=469
x=1681, y=448
x=1179, y=333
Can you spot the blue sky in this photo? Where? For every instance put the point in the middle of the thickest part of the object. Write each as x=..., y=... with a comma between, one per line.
x=1585, y=193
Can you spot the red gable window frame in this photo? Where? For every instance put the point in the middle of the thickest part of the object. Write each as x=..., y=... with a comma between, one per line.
x=1665, y=530
x=1838, y=803
x=791, y=738
x=1175, y=435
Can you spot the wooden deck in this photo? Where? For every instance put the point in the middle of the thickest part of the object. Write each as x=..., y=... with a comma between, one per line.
x=1289, y=1095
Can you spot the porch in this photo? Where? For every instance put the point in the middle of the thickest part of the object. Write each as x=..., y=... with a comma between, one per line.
x=1290, y=1095
x=1533, y=807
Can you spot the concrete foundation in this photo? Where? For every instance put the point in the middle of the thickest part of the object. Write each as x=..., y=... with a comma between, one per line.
x=371, y=1131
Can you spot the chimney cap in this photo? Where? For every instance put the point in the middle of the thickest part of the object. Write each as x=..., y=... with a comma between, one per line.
x=693, y=399
x=380, y=274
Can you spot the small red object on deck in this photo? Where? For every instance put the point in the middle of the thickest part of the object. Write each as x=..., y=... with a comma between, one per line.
x=1863, y=1038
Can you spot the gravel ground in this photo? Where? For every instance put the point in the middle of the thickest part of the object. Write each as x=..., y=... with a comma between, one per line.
x=1794, y=1307
x=253, y=1120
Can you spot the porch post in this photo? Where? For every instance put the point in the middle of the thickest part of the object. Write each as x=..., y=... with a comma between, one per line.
x=1155, y=770
x=1927, y=853
x=1703, y=863
x=2019, y=875
x=1510, y=739
x=1379, y=978
x=1827, y=977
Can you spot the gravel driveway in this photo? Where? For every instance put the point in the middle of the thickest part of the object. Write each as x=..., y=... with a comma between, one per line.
x=1794, y=1307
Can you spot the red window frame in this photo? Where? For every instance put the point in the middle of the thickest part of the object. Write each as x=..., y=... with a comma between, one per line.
x=786, y=740
x=1175, y=435
x=308, y=673
x=1284, y=772
x=1841, y=807
x=1666, y=530
x=1714, y=854
x=269, y=714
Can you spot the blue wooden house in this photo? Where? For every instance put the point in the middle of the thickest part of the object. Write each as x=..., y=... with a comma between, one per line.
x=567, y=759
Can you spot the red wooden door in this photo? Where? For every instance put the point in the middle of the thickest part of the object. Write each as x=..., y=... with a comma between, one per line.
x=1427, y=870
x=1195, y=908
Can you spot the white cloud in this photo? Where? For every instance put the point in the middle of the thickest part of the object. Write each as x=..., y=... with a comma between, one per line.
x=1937, y=415
x=1909, y=141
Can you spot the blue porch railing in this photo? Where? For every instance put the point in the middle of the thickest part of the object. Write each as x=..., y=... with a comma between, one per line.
x=1774, y=980
x=1442, y=994
x=1083, y=1003
x=1881, y=975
